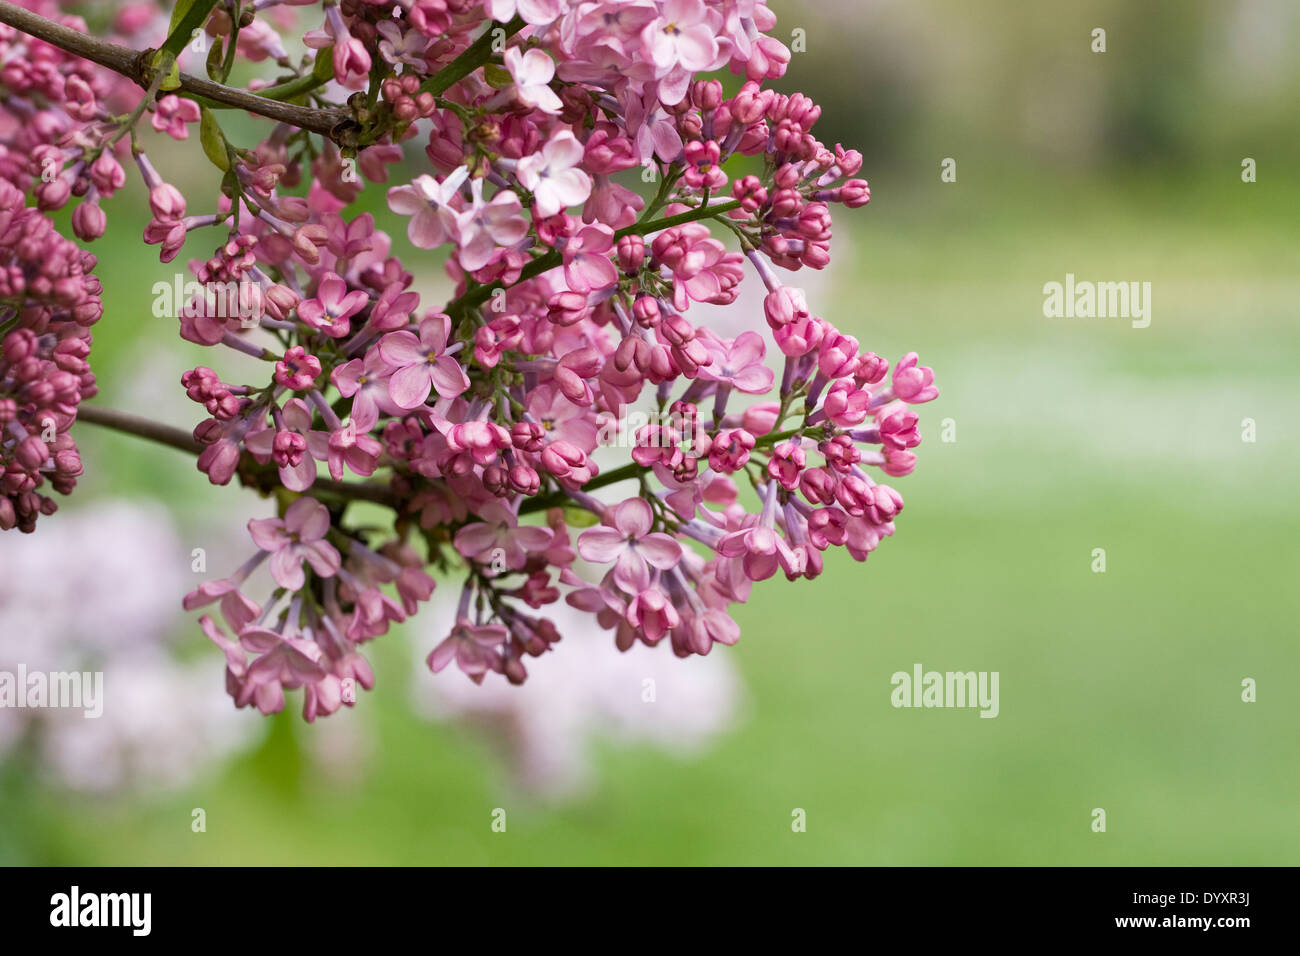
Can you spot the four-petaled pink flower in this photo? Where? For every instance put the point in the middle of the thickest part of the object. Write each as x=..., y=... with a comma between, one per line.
x=737, y=362
x=486, y=226
x=628, y=542
x=298, y=536
x=332, y=308
x=499, y=539
x=429, y=204
x=285, y=663
x=474, y=648
x=532, y=73
x=587, y=266
x=365, y=381
x=298, y=369
x=172, y=114
x=422, y=365
x=354, y=448
x=682, y=35
x=553, y=174
x=398, y=47
x=562, y=419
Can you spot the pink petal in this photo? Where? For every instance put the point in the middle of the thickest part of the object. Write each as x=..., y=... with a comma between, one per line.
x=631, y=572
x=268, y=533
x=286, y=568
x=442, y=655
x=308, y=518
x=322, y=556
x=533, y=537
x=448, y=377
x=475, y=539
x=401, y=348
x=409, y=387
x=660, y=550
x=601, y=544
x=634, y=517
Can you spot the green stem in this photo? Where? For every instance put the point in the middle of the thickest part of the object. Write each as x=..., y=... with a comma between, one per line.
x=264, y=478
x=622, y=473
x=475, y=55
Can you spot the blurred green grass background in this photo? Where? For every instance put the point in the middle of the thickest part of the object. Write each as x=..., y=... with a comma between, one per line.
x=1119, y=690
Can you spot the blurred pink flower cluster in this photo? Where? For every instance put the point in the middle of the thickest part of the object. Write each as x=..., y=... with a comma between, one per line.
x=573, y=305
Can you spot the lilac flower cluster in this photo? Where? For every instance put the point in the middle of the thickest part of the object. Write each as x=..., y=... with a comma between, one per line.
x=573, y=306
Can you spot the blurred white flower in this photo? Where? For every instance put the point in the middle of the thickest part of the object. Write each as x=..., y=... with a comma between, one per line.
x=98, y=588
x=581, y=691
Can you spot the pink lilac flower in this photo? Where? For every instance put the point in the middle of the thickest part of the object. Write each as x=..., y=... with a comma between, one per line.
x=532, y=73
x=172, y=114
x=628, y=542
x=485, y=226
x=738, y=363
x=472, y=647
x=587, y=266
x=554, y=176
x=499, y=535
x=365, y=381
x=914, y=384
x=429, y=203
x=333, y=306
x=297, y=537
x=474, y=426
x=420, y=365
x=560, y=418
x=407, y=47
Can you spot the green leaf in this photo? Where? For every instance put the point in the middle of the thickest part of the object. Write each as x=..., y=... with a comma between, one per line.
x=214, y=63
x=187, y=16
x=178, y=14
x=213, y=140
x=323, y=67
x=498, y=77
x=580, y=517
x=172, y=81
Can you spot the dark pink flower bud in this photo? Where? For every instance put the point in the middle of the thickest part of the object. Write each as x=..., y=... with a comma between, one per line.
x=31, y=453
x=563, y=459
x=524, y=480
x=838, y=355
x=167, y=202
x=494, y=480
x=871, y=368
x=845, y=404
x=567, y=308
x=287, y=449
x=818, y=486
x=914, y=384
x=786, y=464
x=106, y=174
x=855, y=193
x=783, y=305
x=760, y=418
x=631, y=253
x=730, y=450
x=706, y=94
x=646, y=311
x=527, y=436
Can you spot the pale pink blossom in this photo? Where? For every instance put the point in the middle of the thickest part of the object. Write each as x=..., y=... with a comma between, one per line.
x=628, y=541
x=553, y=174
x=297, y=537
